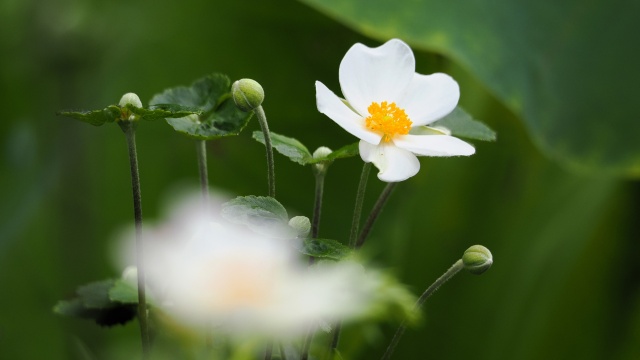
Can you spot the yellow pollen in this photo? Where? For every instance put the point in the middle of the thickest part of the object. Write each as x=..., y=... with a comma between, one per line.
x=388, y=119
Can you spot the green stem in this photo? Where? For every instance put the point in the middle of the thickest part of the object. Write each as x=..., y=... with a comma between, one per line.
x=357, y=210
x=453, y=270
x=262, y=119
x=355, y=224
x=129, y=129
x=373, y=216
x=269, y=351
x=283, y=353
x=306, y=346
x=201, y=149
x=317, y=205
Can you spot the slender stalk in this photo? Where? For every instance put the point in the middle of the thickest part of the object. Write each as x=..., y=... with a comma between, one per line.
x=262, y=119
x=201, y=149
x=283, y=353
x=373, y=216
x=306, y=346
x=317, y=205
x=453, y=270
x=129, y=129
x=357, y=210
x=269, y=351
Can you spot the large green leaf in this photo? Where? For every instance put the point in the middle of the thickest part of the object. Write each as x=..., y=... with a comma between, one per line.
x=211, y=95
x=259, y=213
x=568, y=68
x=114, y=113
x=297, y=152
x=324, y=248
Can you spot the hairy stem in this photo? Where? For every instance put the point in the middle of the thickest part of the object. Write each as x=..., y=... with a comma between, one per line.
x=201, y=149
x=129, y=129
x=373, y=216
x=262, y=119
x=453, y=270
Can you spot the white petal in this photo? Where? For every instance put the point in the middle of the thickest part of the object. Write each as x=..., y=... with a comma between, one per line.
x=429, y=98
x=332, y=106
x=395, y=164
x=376, y=74
x=434, y=145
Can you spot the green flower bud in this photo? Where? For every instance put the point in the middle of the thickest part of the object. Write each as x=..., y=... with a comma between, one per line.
x=320, y=153
x=477, y=259
x=301, y=225
x=247, y=94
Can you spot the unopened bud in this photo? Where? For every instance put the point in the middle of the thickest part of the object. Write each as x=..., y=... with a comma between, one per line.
x=477, y=259
x=247, y=94
x=301, y=225
x=320, y=153
x=130, y=98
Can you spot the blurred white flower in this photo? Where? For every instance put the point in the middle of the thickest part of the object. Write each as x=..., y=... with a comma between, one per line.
x=385, y=99
x=203, y=271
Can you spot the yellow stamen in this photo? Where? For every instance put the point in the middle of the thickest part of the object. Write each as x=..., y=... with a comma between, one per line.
x=388, y=119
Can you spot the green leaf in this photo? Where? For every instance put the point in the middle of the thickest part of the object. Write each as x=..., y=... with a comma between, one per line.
x=297, y=152
x=344, y=152
x=93, y=302
x=569, y=73
x=259, y=213
x=324, y=248
x=289, y=147
x=163, y=112
x=95, y=117
x=211, y=95
x=123, y=292
x=461, y=124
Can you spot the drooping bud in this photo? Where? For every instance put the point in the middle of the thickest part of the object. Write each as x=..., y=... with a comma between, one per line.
x=321, y=152
x=301, y=225
x=477, y=259
x=247, y=94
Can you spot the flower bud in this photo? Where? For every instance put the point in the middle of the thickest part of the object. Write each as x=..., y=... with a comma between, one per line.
x=247, y=94
x=320, y=153
x=130, y=98
x=301, y=225
x=130, y=274
x=477, y=259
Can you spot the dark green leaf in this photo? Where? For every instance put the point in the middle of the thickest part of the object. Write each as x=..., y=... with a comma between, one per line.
x=289, y=147
x=210, y=95
x=324, y=248
x=566, y=72
x=461, y=124
x=95, y=117
x=163, y=112
x=93, y=302
x=259, y=213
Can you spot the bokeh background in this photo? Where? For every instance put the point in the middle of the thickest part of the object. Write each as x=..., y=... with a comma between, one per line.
x=554, y=197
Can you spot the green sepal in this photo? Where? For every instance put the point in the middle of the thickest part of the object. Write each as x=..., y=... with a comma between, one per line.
x=259, y=213
x=297, y=152
x=211, y=95
x=93, y=302
x=461, y=124
x=324, y=248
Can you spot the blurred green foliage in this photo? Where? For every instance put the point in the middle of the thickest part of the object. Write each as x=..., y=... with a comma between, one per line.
x=565, y=283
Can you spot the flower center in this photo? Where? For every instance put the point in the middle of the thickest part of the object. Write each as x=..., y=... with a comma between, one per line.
x=388, y=119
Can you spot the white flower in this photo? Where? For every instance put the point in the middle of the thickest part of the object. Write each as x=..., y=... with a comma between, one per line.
x=385, y=99
x=205, y=272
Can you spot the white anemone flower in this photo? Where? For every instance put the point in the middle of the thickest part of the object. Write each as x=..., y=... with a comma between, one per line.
x=205, y=272
x=387, y=103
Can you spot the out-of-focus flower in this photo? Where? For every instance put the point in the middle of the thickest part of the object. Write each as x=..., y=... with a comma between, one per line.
x=205, y=272
x=385, y=99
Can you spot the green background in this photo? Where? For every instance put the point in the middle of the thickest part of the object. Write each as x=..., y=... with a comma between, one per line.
x=563, y=229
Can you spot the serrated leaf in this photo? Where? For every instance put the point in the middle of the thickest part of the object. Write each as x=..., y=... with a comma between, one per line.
x=324, y=248
x=123, y=292
x=289, y=147
x=259, y=213
x=461, y=124
x=95, y=117
x=212, y=96
x=163, y=112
